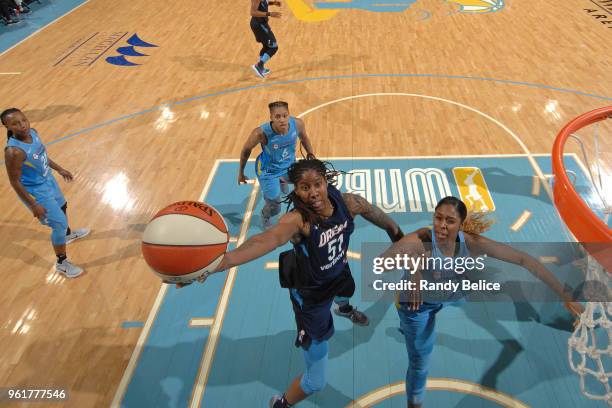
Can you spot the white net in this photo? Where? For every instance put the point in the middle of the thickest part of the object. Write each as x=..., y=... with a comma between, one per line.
x=590, y=345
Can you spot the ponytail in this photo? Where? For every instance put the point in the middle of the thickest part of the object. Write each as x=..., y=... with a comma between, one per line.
x=472, y=222
x=477, y=223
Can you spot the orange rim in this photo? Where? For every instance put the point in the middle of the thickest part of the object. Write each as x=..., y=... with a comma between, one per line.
x=579, y=218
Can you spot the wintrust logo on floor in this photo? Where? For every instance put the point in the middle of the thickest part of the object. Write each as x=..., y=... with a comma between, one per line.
x=90, y=48
x=129, y=51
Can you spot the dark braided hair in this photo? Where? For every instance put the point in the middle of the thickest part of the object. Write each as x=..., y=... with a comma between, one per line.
x=295, y=174
x=278, y=104
x=3, y=116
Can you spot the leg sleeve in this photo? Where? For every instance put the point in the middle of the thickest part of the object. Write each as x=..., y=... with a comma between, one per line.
x=314, y=377
x=418, y=328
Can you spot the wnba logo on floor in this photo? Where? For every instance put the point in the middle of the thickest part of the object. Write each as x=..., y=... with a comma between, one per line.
x=473, y=189
x=417, y=189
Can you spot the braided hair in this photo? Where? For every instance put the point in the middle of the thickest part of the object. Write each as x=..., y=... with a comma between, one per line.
x=3, y=116
x=278, y=104
x=295, y=174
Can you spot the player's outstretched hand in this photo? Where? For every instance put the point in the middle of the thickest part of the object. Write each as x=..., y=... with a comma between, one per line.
x=200, y=279
x=178, y=285
x=275, y=14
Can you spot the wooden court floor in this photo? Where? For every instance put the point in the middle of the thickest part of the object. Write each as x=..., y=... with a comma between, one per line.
x=423, y=81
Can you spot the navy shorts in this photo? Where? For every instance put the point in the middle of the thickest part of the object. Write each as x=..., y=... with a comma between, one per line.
x=312, y=307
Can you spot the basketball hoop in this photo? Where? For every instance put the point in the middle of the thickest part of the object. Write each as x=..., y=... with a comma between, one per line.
x=591, y=340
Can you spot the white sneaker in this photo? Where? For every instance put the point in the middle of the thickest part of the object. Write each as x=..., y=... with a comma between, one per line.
x=68, y=269
x=76, y=234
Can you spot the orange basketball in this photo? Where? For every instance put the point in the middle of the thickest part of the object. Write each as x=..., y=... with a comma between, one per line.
x=184, y=240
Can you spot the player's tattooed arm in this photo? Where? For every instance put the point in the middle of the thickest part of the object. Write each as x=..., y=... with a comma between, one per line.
x=358, y=205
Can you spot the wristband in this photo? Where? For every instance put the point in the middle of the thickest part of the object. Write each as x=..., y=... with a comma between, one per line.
x=398, y=235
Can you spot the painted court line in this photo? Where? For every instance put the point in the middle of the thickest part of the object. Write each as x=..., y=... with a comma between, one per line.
x=201, y=322
x=440, y=156
x=521, y=221
x=200, y=384
x=353, y=255
x=215, y=330
x=446, y=384
x=355, y=76
x=130, y=325
x=549, y=259
x=517, y=139
x=535, y=187
x=131, y=367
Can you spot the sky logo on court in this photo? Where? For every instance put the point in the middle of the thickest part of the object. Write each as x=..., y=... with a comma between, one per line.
x=321, y=10
x=478, y=6
x=129, y=50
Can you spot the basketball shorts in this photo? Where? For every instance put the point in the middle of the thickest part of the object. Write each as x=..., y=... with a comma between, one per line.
x=263, y=33
x=51, y=198
x=272, y=183
x=312, y=308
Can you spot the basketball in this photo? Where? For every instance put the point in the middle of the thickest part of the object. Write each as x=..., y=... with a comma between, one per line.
x=184, y=240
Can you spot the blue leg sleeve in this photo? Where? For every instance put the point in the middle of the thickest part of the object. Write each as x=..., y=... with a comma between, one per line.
x=419, y=331
x=313, y=379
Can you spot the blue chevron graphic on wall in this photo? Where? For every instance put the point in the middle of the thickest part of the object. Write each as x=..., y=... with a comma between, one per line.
x=130, y=51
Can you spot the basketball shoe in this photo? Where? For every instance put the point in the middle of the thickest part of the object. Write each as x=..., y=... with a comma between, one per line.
x=354, y=315
x=76, y=234
x=258, y=71
x=68, y=269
